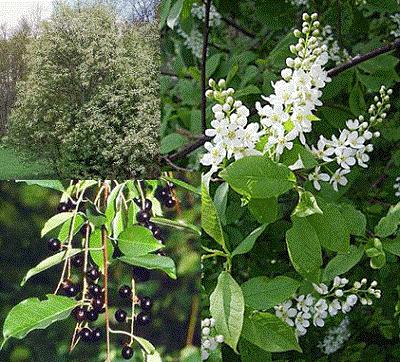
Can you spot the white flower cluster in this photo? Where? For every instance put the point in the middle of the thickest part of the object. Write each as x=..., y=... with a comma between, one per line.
x=396, y=21
x=360, y=2
x=289, y=113
x=199, y=12
x=299, y=3
x=209, y=342
x=232, y=136
x=336, y=54
x=336, y=337
x=193, y=41
x=304, y=309
x=351, y=147
x=396, y=186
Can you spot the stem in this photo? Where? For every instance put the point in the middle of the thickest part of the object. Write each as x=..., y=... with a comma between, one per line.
x=133, y=310
x=105, y=260
x=203, y=65
x=193, y=320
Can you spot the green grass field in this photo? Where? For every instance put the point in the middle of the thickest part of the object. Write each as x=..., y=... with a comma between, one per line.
x=13, y=167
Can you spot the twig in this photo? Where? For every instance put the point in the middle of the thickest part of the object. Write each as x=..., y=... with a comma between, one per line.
x=176, y=167
x=367, y=56
x=173, y=75
x=238, y=27
x=105, y=260
x=133, y=310
x=193, y=320
x=206, y=33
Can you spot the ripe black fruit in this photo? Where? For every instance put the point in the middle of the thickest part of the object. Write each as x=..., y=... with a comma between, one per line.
x=170, y=203
x=77, y=261
x=84, y=228
x=86, y=334
x=92, y=315
x=71, y=290
x=98, y=304
x=54, y=245
x=145, y=303
x=127, y=352
x=141, y=274
x=96, y=334
x=71, y=204
x=143, y=319
x=125, y=292
x=80, y=314
x=62, y=207
x=162, y=193
x=143, y=216
x=120, y=316
x=93, y=273
x=95, y=290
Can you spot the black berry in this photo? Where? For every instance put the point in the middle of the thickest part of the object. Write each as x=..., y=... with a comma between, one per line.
x=120, y=316
x=80, y=314
x=95, y=290
x=143, y=319
x=92, y=315
x=145, y=303
x=96, y=335
x=93, y=273
x=77, y=261
x=62, y=207
x=127, y=352
x=162, y=193
x=71, y=204
x=71, y=290
x=125, y=292
x=54, y=245
x=141, y=274
x=98, y=304
x=170, y=203
x=143, y=217
x=85, y=334
x=84, y=228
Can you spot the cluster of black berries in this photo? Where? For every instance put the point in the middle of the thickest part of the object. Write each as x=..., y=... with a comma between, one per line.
x=165, y=196
x=145, y=303
x=143, y=217
x=66, y=206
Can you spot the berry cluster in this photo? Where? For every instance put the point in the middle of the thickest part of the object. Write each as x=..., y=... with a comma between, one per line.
x=209, y=340
x=166, y=196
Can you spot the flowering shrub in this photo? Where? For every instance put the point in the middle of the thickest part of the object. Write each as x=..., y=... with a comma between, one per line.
x=298, y=175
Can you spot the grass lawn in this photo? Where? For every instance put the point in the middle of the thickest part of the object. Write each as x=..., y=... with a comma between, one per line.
x=13, y=167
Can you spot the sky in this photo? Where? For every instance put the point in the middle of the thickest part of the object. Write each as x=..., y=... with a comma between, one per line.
x=11, y=11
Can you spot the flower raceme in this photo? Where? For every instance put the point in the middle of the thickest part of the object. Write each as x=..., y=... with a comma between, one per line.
x=306, y=309
x=288, y=116
x=209, y=341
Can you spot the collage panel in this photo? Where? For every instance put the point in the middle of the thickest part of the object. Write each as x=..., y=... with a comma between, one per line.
x=100, y=270
x=79, y=90
x=290, y=110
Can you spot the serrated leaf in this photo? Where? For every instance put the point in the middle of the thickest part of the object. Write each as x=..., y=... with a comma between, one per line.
x=258, y=177
x=137, y=240
x=227, y=308
x=177, y=224
x=269, y=333
x=307, y=205
x=389, y=224
x=174, y=13
x=151, y=261
x=95, y=242
x=33, y=314
x=182, y=184
x=262, y=293
x=265, y=211
x=354, y=219
x=247, y=244
x=65, y=228
x=56, y=221
x=49, y=262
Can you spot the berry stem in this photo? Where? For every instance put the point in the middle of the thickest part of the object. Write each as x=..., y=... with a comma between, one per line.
x=133, y=310
x=105, y=258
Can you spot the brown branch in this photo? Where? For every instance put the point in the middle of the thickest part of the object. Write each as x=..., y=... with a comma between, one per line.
x=234, y=25
x=367, y=56
x=173, y=75
x=206, y=33
x=332, y=73
x=194, y=314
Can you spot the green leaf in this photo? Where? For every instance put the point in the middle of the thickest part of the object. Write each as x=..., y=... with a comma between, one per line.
x=304, y=248
x=56, y=221
x=152, y=261
x=174, y=13
x=246, y=91
x=258, y=177
x=210, y=221
x=137, y=240
x=247, y=244
x=262, y=293
x=33, y=314
x=171, y=143
x=342, y=263
x=289, y=157
x=177, y=224
x=227, y=308
x=354, y=219
x=95, y=216
x=392, y=246
x=49, y=262
x=249, y=352
x=356, y=100
x=50, y=184
x=146, y=345
x=182, y=184
x=388, y=225
x=331, y=227
x=111, y=202
x=269, y=333
x=212, y=64
x=307, y=205
x=220, y=201
x=95, y=242
x=265, y=211
x=65, y=228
